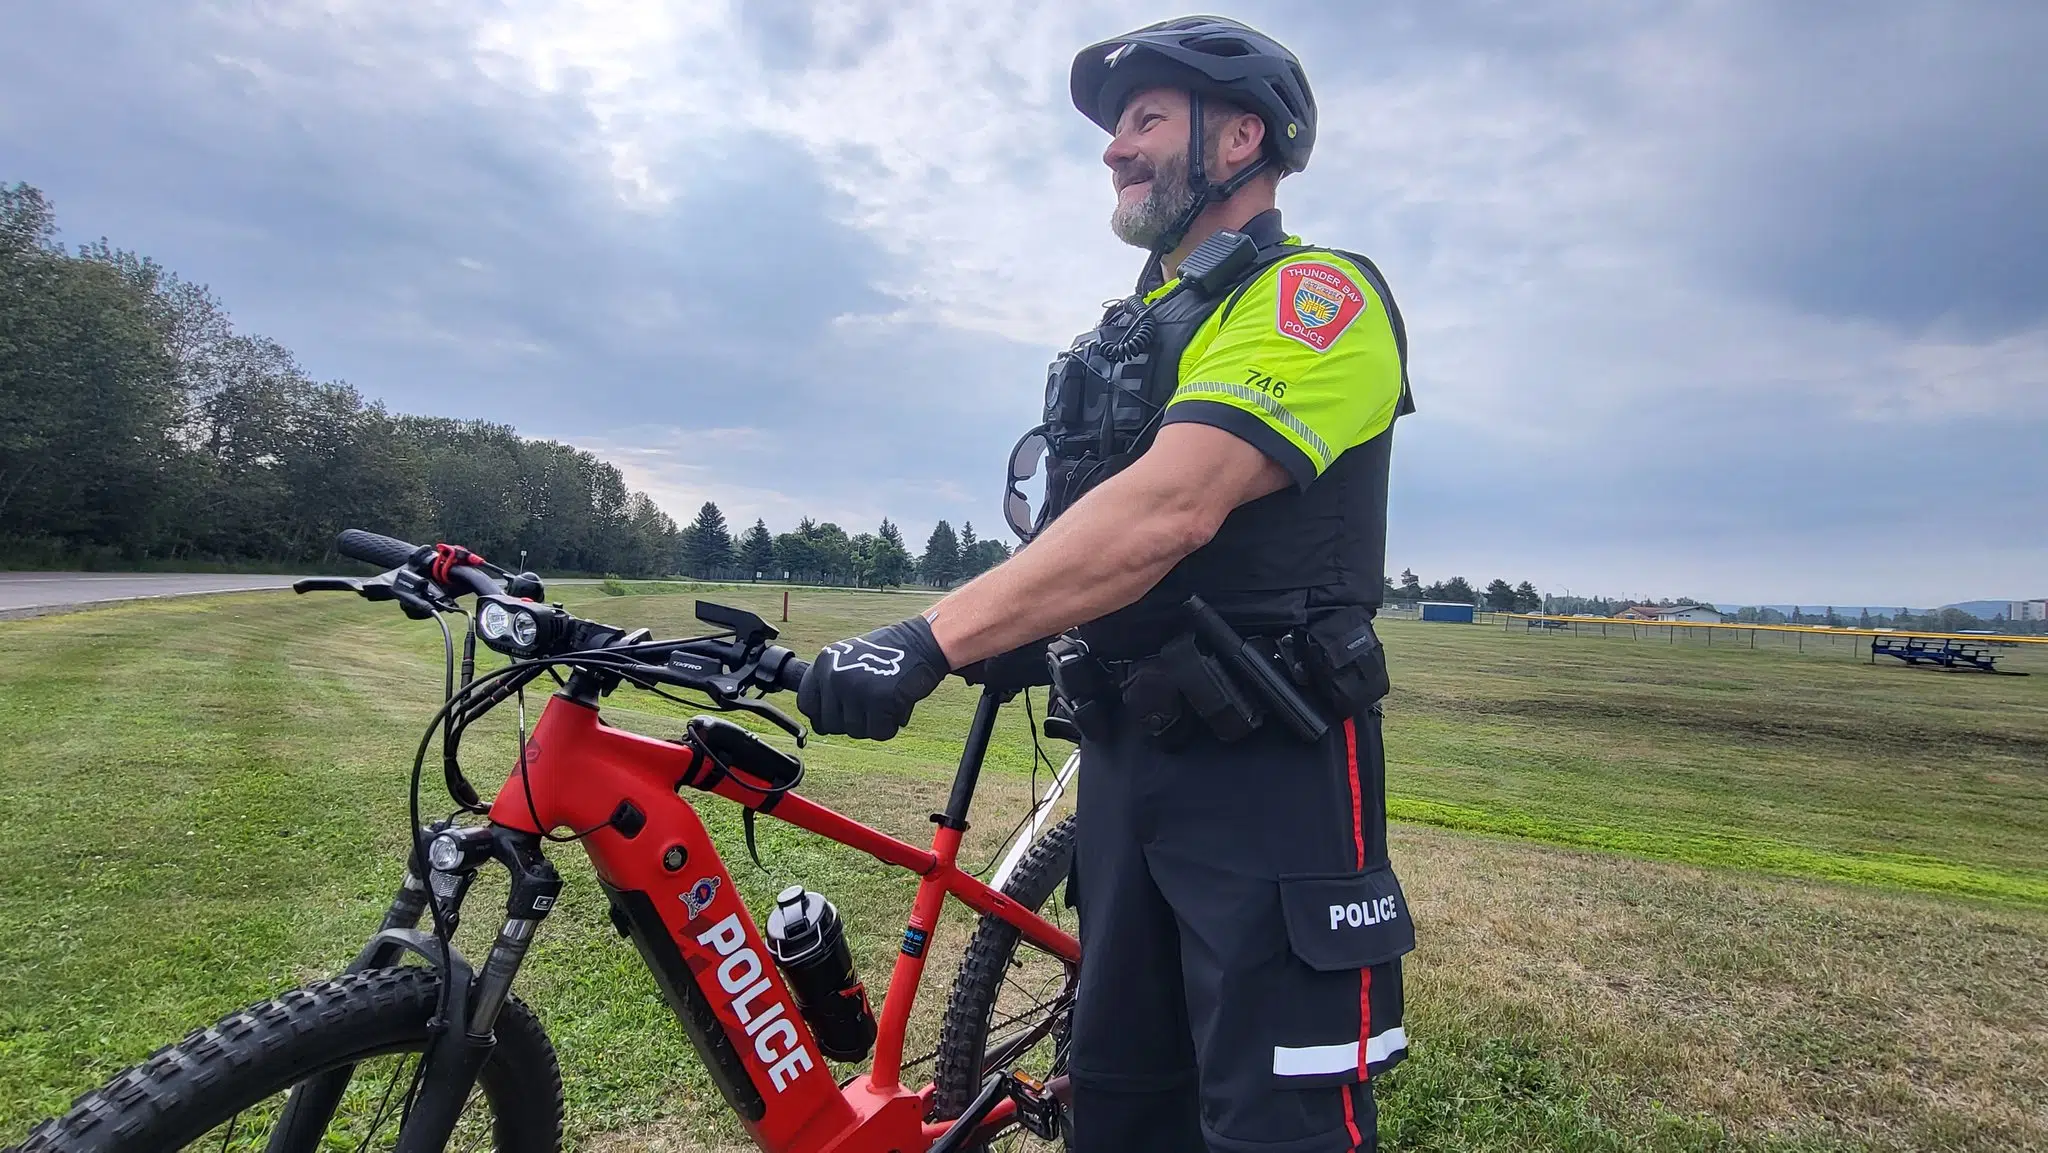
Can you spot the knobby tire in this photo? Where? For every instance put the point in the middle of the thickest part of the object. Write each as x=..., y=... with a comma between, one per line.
x=190, y=1089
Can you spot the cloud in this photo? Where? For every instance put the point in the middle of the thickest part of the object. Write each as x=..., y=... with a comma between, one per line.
x=1707, y=298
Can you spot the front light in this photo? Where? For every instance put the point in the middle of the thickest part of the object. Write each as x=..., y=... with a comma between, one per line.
x=444, y=853
x=519, y=629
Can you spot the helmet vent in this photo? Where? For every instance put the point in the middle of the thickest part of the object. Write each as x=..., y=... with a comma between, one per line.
x=1220, y=46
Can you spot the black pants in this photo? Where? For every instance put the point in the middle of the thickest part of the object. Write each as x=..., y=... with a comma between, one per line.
x=1241, y=931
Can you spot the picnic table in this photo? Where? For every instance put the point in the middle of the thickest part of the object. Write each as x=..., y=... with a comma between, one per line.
x=1947, y=652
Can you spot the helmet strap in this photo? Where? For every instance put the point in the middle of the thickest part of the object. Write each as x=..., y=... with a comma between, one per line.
x=1204, y=192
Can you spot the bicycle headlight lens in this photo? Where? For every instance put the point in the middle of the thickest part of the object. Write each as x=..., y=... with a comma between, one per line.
x=443, y=853
x=495, y=621
x=525, y=628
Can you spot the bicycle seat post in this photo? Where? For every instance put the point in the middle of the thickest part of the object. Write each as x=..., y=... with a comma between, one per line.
x=971, y=755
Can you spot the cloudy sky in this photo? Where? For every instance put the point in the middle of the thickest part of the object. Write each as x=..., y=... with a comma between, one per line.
x=1741, y=301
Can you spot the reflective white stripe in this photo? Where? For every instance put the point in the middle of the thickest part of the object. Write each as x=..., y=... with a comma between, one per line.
x=1384, y=1045
x=1322, y=1060
x=1311, y=1060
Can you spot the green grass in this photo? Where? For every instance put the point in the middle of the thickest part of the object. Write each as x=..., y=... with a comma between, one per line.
x=205, y=803
x=1807, y=765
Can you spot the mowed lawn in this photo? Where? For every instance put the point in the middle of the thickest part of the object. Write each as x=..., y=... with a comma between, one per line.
x=1668, y=898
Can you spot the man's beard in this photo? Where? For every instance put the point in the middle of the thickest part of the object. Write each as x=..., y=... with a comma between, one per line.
x=1142, y=224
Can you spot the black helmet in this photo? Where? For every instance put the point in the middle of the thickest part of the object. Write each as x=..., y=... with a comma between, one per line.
x=1206, y=55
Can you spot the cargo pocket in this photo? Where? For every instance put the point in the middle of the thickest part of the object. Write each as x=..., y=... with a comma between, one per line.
x=1345, y=921
x=1349, y=931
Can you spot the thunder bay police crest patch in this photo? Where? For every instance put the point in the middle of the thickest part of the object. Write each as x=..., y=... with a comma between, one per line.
x=700, y=895
x=1317, y=303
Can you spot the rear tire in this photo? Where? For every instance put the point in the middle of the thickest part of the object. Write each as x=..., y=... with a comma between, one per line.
x=996, y=986
x=203, y=1085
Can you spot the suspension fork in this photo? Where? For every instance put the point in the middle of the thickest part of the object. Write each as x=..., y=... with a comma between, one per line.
x=454, y=1056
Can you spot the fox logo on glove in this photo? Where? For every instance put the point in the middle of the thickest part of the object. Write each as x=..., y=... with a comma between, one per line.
x=865, y=655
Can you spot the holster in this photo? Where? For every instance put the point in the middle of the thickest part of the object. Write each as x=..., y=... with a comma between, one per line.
x=1209, y=690
x=1184, y=690
x=1082, y=686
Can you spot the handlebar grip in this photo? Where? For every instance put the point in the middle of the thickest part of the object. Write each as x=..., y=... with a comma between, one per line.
x=373, y=548
x=791, y=675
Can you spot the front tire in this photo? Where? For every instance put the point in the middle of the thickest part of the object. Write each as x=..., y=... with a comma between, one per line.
x=223, y=1084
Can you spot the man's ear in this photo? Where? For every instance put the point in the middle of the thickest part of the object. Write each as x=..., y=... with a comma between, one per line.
x=1243, y=140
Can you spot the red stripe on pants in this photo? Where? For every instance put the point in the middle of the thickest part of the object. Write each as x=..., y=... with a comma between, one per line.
x=1357, y=795
x=1358, y=839
x=1364, y=1018
x=1351, y=1119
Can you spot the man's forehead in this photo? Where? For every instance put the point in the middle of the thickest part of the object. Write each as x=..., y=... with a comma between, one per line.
x=1160, y=99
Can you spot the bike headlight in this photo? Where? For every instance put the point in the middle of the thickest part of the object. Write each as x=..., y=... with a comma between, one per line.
x=444, y=853
x=519, y=628
x=525, y=628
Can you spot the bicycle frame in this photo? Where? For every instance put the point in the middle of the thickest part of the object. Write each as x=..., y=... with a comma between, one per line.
x=673, y=895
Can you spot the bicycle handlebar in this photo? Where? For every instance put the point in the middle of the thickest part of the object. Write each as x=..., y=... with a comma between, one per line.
x=774, y=667
x=374, y=548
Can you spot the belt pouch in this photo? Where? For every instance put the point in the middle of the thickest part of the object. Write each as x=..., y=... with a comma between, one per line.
x=1348, y=662
x=1154, y=702
x=1208, y=689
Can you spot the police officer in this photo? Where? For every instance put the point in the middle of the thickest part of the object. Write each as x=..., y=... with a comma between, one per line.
x=1224, y=433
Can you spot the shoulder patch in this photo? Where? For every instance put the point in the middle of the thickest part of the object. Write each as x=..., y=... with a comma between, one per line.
x=1317, y=303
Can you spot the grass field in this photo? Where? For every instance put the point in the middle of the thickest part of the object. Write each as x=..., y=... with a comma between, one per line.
x=1668, y=898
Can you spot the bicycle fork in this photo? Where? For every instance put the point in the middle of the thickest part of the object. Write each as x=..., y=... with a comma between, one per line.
x=461, y=1039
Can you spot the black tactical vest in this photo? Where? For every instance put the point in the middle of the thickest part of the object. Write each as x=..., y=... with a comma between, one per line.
x=1293, y=558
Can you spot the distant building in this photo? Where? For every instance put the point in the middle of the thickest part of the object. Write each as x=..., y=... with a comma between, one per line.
x=2027, y=611
x=1668, y=614
x=1453, y=612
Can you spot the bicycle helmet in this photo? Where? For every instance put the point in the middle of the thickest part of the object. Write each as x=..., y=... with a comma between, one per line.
x=1207, y=55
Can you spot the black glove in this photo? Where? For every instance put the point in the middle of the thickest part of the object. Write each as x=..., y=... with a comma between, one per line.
x=865, y=686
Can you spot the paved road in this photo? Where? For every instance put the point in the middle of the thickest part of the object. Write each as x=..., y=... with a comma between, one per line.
x=27, y=593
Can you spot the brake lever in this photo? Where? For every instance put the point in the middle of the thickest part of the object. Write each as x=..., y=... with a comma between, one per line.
x=773, y=715
x=376, y=588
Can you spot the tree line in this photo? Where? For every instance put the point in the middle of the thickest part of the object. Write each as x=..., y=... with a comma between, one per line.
x=815, y=552
x=139, y=427
x=1498, y=595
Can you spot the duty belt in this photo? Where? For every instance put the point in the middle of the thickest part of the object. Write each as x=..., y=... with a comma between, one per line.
x=1209, y=676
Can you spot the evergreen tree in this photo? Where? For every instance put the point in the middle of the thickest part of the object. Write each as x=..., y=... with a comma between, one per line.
x=707, y=544
x=757, y=550
x=1500, y=596
x=1527, y=599
x=892, y=560
x=941, y=562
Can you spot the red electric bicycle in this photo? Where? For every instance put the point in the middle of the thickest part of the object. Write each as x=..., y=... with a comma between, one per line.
x=414, y=1048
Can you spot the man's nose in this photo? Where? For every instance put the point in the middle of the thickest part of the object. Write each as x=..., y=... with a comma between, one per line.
x=1121, y=151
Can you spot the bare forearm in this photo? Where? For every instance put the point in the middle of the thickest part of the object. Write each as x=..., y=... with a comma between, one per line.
x=1105, y=553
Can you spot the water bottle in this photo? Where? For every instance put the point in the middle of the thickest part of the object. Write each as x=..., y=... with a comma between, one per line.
x=809, y=945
